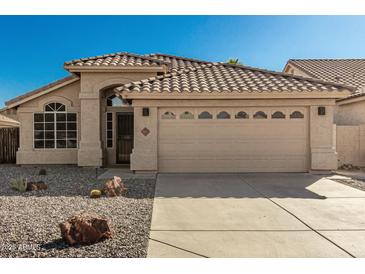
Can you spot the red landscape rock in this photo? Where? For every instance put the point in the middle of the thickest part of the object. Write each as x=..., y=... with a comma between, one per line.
x=36, y=186
x=85, y=229
x=114, y=187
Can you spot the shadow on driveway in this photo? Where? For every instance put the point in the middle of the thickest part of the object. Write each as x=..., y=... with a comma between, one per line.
x=269, y=185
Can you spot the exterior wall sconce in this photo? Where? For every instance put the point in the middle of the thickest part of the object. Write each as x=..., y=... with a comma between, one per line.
x=321, y=111
x=145, y=112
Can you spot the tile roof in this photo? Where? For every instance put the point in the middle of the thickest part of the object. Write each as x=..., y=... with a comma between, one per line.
x=177, y=62
x=357, y=94
x=118, y=59
x=221, y=77
x=347, y=71
x=39, y=90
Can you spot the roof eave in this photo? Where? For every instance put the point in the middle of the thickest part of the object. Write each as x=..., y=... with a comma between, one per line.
x=74, y=69
x=350, y=100
x=11, y=103
x=228, y=96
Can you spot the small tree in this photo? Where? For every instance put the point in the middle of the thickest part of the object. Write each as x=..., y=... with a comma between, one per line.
x=234, y=61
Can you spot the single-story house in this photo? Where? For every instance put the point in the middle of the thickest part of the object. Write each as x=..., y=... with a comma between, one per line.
x=163, y=113
x=350, y=111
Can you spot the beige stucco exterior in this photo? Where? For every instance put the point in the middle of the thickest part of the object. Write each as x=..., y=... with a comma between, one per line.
x=27, y=154
x=85, y=97
x=310, y=143
x=351, y=145
x=91, y=93
x=350, y=112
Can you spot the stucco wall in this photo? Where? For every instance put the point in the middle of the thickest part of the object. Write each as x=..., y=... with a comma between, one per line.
x=350, y=142
x=350, y=114
x=26, y=154
x=93, y=149
x=323, y=147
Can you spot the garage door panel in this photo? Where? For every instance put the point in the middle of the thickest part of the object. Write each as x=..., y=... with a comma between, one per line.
x=198, y=165
x=237, y=149
x=233, y=145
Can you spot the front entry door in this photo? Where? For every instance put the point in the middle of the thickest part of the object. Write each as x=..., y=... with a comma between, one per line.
x=124, y=137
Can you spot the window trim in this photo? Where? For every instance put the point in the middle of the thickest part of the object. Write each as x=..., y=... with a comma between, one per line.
x=53, y=102
x=106, y=130
x=54, y=122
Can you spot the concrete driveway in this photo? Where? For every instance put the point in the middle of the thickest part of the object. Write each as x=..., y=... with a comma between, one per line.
x=256, y=215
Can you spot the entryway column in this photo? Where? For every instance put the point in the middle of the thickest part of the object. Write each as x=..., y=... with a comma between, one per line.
x=90, y=152
x=144, y=156
x=322, y=138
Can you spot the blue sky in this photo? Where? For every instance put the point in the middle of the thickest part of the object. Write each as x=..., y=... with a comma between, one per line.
x=35, y=47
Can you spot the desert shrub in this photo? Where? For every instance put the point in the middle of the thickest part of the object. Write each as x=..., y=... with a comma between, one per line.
x=95, y=193
x=19, y=184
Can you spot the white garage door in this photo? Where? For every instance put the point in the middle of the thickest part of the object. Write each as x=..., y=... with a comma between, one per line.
x=267, y=139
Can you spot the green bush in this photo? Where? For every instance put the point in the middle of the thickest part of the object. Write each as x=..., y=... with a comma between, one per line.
x=95, y=193
x=19, y=184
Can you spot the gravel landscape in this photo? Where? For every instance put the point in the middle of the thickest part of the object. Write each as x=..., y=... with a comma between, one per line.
x=355, y=183
x=29, y=221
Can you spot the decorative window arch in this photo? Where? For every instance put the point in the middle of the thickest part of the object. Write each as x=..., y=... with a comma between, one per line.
x=116, y=101
x=278, y=115
x=54, y=128
x=241, y=115
x=186, y=115
x=54, y=107
x=223, y=115
x=205, y=115
x=168, y=115
x=260, y=115
x=296, y=115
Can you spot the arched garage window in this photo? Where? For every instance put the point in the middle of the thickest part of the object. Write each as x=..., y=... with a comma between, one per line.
x=186, y=115
x=296, y=115
x=55, y=128
x=241, y=115
x=278, y=115
x=205, y=115
x=223, y=115
x=168, y=115
x=260, y=115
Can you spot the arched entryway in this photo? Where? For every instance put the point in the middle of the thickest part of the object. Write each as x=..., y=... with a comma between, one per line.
x=117, y=128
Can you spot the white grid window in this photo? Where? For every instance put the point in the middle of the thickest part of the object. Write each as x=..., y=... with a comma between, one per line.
x=55, y=128
x=109, y=129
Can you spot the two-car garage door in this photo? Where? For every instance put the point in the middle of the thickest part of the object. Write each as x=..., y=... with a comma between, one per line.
x=266, y=139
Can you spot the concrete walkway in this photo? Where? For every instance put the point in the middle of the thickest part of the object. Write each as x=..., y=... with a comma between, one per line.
x=256, y=215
